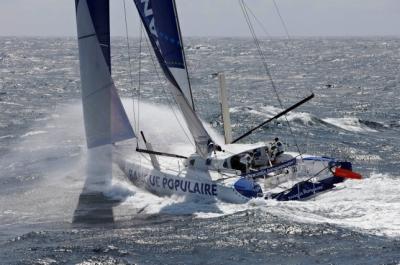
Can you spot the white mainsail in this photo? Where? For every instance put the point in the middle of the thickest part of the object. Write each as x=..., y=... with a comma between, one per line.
x=105, y=119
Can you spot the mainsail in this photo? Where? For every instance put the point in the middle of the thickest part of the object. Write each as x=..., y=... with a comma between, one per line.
x=105, y=119
x=161, y=23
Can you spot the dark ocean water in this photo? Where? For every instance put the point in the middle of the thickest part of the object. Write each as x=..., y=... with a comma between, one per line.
x=355, y=115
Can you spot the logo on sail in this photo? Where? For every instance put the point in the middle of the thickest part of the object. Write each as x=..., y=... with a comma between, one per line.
x=149, y=15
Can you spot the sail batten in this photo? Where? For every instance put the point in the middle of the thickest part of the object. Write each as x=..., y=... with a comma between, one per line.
x=161, y=24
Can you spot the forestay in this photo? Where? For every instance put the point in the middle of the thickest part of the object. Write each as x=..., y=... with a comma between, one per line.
x=161, y=22
x=105, y=119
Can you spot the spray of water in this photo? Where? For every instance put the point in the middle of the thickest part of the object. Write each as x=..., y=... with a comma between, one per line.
x=49, y=168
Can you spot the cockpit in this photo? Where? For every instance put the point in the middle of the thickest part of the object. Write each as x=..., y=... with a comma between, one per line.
x=255, y=159
x=251, y=159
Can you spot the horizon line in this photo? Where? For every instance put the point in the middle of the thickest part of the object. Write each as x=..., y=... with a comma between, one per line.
x=220, y=36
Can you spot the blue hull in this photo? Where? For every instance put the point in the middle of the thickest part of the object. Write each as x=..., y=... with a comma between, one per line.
x=306, y=189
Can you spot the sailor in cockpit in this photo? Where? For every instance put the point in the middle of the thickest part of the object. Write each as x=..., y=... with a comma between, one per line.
x=248, y=161
x=276, y=150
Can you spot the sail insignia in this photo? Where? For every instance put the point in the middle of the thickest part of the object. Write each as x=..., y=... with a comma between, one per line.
x=161, y=25
x=164, y=31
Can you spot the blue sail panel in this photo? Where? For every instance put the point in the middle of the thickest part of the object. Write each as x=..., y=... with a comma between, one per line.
x=160, y=22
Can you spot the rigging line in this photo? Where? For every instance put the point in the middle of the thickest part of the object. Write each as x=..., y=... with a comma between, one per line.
x=289, y=38
x=139, y=86
x=258, y=46
x=166, y=93
x=258, y=21
x=264, y=62
x=282, y=21
x=183, y=52
x=269, y=73
x=130, y=64
x=139, y=77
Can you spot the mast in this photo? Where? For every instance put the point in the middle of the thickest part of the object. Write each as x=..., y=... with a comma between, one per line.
x=223, y=101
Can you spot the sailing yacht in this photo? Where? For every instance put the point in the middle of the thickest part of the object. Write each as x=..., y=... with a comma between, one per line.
x=235, y=173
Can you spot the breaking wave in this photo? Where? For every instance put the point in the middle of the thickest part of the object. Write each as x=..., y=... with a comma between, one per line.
x=351, y=124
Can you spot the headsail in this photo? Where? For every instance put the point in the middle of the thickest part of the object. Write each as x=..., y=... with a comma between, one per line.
x=105, y=119
x=160, y=20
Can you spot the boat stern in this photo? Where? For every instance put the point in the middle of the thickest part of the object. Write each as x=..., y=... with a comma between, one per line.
x=324, y=173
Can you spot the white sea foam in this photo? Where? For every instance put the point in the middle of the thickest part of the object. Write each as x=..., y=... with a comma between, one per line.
x=371, y=205
x=10, y=103
x=33, y=133
x=349, y=124
x=302, y=117
x=7, y=136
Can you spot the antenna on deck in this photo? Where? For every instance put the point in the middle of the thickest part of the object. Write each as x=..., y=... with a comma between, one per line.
x=223, y=101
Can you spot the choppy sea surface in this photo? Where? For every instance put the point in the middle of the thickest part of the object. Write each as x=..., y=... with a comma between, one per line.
x=44, y=219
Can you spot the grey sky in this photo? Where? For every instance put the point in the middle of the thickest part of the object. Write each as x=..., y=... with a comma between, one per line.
x=216, y=17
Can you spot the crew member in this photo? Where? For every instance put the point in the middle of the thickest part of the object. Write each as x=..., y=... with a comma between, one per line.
x=273, y=153
x=247, y=160
x=268, y=153
x=212, y=147
x=276, y=149
x=279, y=147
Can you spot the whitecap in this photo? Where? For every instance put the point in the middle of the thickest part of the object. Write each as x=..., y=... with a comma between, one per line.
x=349, y=124
x=33, y=133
